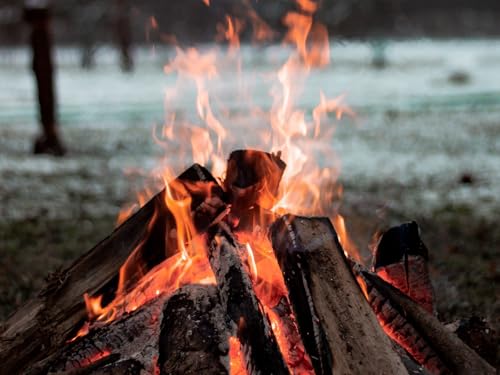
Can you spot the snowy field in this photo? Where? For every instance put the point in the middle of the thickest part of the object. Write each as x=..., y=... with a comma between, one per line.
x=417, y=128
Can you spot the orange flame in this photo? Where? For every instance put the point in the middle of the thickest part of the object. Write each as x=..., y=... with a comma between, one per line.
x=347, y=244
x=307, y=186
x=236, y=357
x=270, y=289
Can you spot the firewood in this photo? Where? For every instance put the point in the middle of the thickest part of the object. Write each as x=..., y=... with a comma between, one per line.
x=409, y=362
x=400, y=258
x=249, y=322
x=338, y=327
x=134, y=335
x=419, y=332
x=194, y=338
x=252, y=178
x=41, y=326
x=126, y=367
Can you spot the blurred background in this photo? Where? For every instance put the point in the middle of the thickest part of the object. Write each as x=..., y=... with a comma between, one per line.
x=423, y=78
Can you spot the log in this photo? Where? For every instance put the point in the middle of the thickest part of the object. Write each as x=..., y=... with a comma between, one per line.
x=414, y=321
x=338, y=327
x=133, y=336
x=44, y=323
x=126, y=367
x=400, y=258
x=253, y=178
x=194, y=338
x=249, y=322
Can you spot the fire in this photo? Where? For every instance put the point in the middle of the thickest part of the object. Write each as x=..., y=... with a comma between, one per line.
x=307, y=186
x=271, y=291
x=237, y=360
x=347, y=244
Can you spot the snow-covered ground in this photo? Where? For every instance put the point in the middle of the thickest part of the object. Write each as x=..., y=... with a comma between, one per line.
x=432, y=115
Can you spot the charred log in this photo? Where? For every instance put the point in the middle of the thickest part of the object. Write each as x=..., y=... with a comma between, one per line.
x=134, y=335
x=251, y=325
x=194, y=338
x=126, y=367
x=110, y=365
x=400, y=258
x=253, y=178
x=338, y=328
x=418, y=331
x=397, y=327
x=409, y=362
x=40, y=327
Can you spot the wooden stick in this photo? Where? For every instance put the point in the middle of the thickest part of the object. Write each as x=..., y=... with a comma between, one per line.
x=453, y=352
x=41, y=326
x=251, y=325
x=338, y=327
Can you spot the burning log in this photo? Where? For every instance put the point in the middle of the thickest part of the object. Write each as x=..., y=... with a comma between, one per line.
x=40, y=327
x=251, y=325
x=400, y=258
x=253, y=178
x=183, y=334
x=133, y=336
x=194, y=338
x=418, y=331
x=107, y=367
x=339, y=330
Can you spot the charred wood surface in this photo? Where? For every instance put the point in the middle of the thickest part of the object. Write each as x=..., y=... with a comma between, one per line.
x=419, y=332
x=41, y=326
x=253, y=178
x=135, y=335
x=110, y=365
x=339, y=330
x=400, y=258
x=194, y=337
x=250, y=323
x=126, y=367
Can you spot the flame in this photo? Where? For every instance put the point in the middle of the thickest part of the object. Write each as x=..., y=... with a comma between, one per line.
x=348, y=245
x=236, y=357
x=95, y=358
x=307, y=186
x=271, y=291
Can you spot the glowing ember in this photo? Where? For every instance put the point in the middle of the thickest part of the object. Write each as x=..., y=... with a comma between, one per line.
x=236, y=358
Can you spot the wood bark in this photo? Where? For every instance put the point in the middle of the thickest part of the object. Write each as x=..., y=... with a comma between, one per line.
x=454, y=353
x=253, y=178
x=338, y=327
x=41, y=326
x=250, y=324
x=194, y=337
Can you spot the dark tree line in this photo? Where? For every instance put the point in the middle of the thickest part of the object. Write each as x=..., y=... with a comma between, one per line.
x=93, y=22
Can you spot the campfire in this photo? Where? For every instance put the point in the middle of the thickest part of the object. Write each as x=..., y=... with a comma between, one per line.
x=244, y=269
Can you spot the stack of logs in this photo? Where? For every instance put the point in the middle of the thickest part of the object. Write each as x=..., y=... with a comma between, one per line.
x=351, y=319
